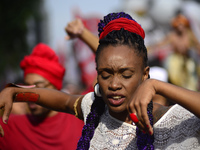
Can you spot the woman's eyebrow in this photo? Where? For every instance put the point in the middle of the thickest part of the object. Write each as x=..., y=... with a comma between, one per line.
x=127, y=68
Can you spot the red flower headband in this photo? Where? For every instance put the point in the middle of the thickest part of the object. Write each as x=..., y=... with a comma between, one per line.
x=117, y=24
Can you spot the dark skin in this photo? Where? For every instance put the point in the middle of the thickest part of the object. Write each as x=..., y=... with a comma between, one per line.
x=119, y=77
x=159, y=111
x=187, y=99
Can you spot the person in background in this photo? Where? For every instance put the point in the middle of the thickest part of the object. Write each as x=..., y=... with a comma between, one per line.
x=42, y=128
x=120, y=114
x=181, y=63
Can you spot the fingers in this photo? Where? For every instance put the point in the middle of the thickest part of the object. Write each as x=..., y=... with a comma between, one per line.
x=144, y=127
x=74, y=29
x=145, y=117
x=1, y=131
x=140, y=117
x=134, y=117
x=6, y=113
x=141, y=104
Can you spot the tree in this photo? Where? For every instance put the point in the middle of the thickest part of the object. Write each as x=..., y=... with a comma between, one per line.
x=14, y=15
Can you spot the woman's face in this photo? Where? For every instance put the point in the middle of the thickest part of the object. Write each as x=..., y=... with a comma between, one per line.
x=120, y=71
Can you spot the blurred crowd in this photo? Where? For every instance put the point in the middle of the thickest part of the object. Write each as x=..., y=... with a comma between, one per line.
x=172, y=38
x=172, y=30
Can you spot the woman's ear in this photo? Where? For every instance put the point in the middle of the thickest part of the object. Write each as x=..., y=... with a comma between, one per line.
x=97, y=90
x=146, y=73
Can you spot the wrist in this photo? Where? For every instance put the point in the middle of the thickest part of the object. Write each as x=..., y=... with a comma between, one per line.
x=82, y=33
x=26, y=97
x=156, y=85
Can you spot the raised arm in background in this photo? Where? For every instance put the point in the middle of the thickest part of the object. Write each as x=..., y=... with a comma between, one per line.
x=76, y=29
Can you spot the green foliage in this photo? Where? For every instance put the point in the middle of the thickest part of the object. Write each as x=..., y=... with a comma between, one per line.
x=14, y=15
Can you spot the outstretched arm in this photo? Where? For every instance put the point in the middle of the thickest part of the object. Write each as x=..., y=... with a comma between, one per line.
x=76, y=29
x=145, y=92
x=49, y=98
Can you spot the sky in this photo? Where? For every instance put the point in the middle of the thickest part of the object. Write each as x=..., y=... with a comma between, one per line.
x=60, y=13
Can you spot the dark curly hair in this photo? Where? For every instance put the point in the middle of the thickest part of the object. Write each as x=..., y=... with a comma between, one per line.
x=119, y=37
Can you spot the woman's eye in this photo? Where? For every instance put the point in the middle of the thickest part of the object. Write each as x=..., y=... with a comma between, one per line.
x=105, y=75
x=127, y=76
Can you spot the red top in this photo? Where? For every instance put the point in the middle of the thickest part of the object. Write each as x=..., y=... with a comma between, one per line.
x=59, y=132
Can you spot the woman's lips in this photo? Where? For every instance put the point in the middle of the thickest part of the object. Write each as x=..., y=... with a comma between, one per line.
x=116, y=101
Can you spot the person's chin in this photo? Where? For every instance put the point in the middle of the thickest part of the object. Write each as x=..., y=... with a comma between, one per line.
x=35, y=113
x=117, y=108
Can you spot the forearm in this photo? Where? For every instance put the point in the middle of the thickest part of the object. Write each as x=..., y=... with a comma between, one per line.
x=90, y=39
x=184, y=97
x=50, y=98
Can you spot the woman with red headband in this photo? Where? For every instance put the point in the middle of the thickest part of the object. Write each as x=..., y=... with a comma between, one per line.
x=120, y=113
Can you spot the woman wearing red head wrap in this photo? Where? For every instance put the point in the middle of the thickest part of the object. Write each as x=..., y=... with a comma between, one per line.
x=42, y=128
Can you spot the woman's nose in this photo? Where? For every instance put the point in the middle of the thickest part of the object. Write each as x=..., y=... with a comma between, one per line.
x=115, y=84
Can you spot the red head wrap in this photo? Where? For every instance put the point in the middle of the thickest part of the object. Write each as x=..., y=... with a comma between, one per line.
x=117, y=24
x=44, y=61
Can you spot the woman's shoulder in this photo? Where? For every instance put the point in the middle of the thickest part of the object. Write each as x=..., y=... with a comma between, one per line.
x=176, y=128
x=161, y=113
x=86, y=104
x=158, y=111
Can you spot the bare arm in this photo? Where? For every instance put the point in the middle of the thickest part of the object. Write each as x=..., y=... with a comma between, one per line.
x=184, y=97
x=50, y=98
x=145, y=92
x=76, y=29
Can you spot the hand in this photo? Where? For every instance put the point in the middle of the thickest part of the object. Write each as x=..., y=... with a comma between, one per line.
x=141, y=98
x=6, y=101
x=74, y=29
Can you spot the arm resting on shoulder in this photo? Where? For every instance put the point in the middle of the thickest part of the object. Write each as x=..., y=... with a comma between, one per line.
x=184, y=97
